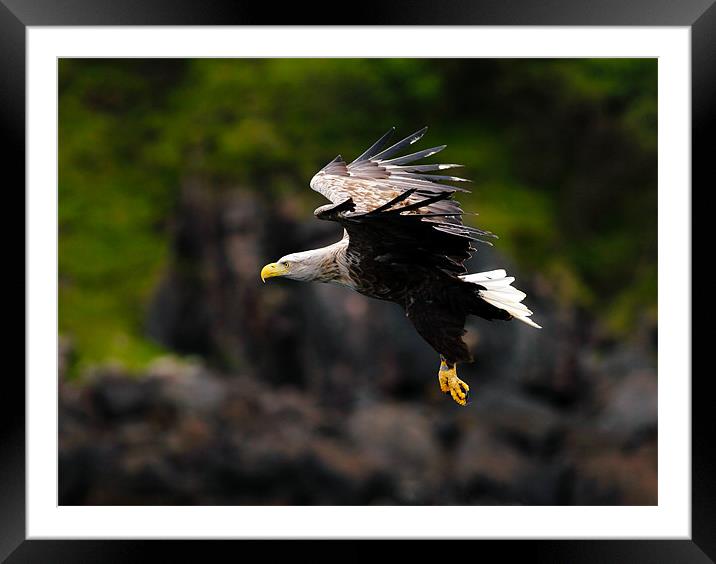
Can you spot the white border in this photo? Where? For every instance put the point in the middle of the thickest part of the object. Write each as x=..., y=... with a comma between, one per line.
x=670, y=519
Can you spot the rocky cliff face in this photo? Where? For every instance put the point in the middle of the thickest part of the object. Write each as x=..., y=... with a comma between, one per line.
x=182, y=434
x=311, y=394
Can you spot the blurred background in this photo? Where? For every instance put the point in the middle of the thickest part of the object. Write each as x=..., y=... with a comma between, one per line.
x=184, y=380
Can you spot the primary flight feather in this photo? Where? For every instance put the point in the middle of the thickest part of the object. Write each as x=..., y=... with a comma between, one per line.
x=405, y=241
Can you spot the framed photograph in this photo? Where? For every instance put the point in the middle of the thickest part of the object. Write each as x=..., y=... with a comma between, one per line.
x=205, y=355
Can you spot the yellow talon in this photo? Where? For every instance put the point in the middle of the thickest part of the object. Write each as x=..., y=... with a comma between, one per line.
x=449, y=382
x=443, y=377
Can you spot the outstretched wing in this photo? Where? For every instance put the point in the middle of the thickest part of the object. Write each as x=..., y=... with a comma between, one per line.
x=377, y=176
x=398, y=211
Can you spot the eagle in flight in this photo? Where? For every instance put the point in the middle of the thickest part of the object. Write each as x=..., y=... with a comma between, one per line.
x=404, y=241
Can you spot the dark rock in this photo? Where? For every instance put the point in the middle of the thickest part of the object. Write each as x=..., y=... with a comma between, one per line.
x=530, y=425
x=116, y=396
x=180, y=434
x=486, y=466
x=631, y=412
x=616, y=478
x=398, y=440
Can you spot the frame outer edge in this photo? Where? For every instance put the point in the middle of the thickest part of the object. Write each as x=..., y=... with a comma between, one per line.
x=12, y=119
x=12, y=413
x=703, y=428
x=391, y=12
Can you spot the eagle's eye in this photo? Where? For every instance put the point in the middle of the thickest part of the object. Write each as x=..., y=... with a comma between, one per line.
x=287, y=264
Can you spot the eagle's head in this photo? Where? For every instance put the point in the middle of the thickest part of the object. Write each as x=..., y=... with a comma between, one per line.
x=304, y=266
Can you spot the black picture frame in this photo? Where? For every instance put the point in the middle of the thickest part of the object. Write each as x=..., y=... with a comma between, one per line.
x=17, y=15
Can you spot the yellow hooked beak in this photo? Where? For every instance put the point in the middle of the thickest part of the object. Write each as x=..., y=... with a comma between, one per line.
x=273, y=269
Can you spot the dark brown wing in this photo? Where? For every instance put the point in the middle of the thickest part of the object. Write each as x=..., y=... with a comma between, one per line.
x=393, y=236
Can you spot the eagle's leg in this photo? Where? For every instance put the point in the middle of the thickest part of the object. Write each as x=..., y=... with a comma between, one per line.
x=449, y=382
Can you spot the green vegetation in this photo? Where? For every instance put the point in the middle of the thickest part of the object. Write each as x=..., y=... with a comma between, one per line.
x=562, y=154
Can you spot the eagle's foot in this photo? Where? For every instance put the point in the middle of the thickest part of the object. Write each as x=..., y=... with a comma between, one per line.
x=449, y=382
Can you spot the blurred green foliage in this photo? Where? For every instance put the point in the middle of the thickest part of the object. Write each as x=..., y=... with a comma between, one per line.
x=562, y=154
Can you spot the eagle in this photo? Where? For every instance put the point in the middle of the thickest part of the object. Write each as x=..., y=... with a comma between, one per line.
x=404, y=241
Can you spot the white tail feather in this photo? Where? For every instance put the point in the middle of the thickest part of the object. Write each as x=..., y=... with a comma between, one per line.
x=499, y=293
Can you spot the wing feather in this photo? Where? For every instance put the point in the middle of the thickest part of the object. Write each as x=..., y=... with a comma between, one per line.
x=405, y=159
x=400, y=145
x=375, y=147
